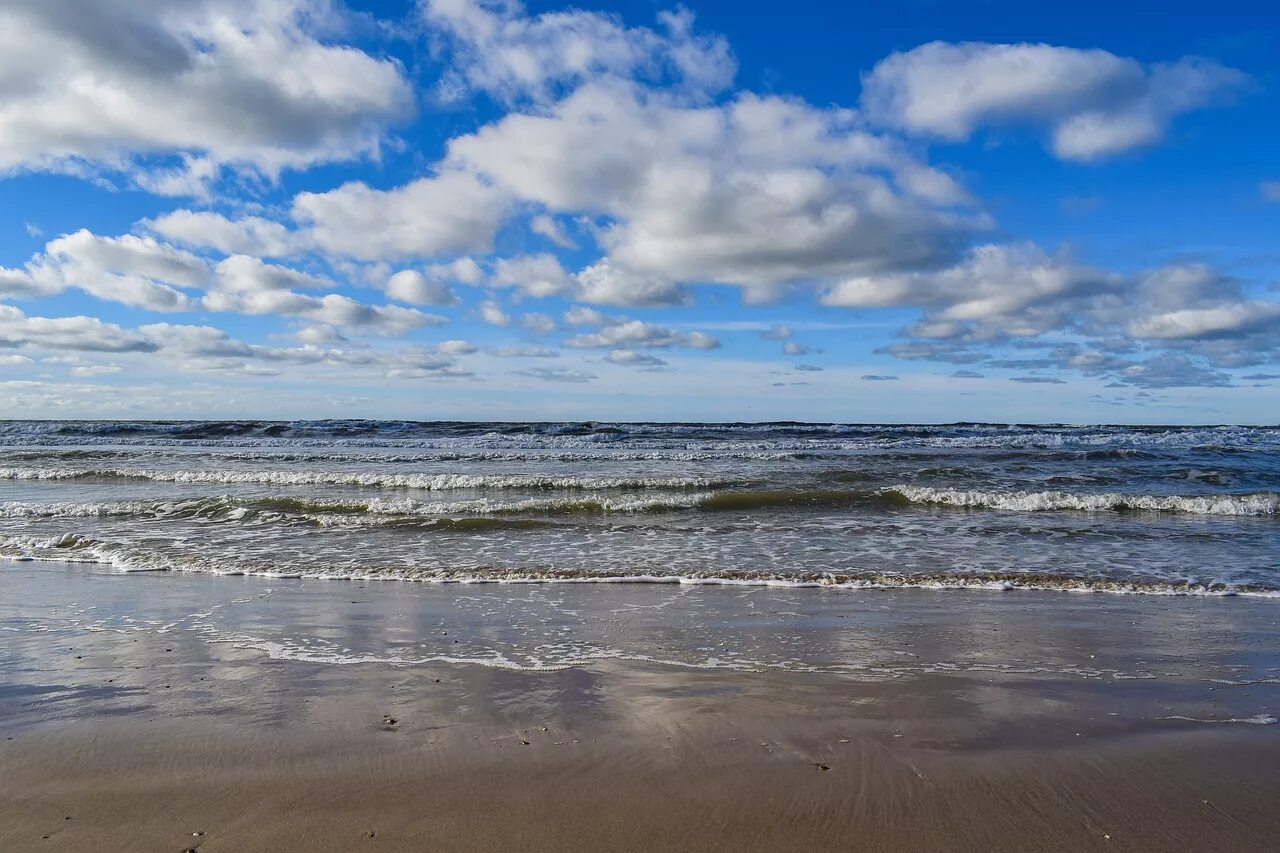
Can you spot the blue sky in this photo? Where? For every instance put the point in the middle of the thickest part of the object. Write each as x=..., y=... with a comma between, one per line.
x=461, y=209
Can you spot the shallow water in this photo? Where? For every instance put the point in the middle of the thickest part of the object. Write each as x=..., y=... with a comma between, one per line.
x=1118, y=509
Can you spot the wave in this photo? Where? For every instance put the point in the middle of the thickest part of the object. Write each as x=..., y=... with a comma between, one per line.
x=77, y=547
x=426, y=482
x=379, y=511
x=778, y=436
x=1254, y=504
x=444, y=515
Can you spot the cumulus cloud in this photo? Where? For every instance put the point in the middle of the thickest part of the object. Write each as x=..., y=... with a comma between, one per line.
x=631, y=358
x=419, y=289
x=758, y=192
x=1231, y=320
x=1038, y=380
x=579, y=315
x=1094, y=103
x=538, y=323
x=608, y=283
x=996, y=290
x=557, y=374
x=79, y=334
x=208, y=349
x=491, y=312
x=536, y=275
x=550, y=227
x=250, y=235
x=638, y=334
x=524, y=351
x=260, y=84
x=137, y=271
x=1180, y=323
x=449, y=212
x=144, y=272
x=495, y=47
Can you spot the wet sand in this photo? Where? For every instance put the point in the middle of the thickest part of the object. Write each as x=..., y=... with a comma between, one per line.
x=1029, y=722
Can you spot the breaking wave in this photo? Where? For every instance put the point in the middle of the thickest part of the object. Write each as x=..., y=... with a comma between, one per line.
x=426, y=482
x=1255, y=504
x=378, y=511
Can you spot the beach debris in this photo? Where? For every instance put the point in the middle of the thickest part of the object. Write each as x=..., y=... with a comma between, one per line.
x=821, y=766
x=525, y=742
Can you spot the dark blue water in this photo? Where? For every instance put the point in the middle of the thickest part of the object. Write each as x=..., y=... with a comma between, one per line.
x=1112, y=508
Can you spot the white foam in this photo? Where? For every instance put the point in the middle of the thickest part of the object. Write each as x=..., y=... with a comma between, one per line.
x=1255, y=720
x=428, y=482
x=1257, y=504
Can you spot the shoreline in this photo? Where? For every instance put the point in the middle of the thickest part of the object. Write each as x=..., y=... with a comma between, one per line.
x=979, y=582
x=149, y=707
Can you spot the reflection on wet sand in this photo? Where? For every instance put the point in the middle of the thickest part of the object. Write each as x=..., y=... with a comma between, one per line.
x=652, y=716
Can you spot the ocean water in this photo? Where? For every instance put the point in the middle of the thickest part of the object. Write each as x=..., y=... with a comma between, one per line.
x=1174, y=510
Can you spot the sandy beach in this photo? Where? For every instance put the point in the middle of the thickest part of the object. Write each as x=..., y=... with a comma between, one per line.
x=147, y=723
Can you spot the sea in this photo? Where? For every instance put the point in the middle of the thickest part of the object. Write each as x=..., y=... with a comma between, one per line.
x=1106, y=509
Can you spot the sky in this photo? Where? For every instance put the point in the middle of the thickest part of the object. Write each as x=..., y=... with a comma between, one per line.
x=923, y=211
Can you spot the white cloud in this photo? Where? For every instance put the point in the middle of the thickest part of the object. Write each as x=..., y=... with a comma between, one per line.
x=1227, y=320
x=1094, y=103
x=332, y=309
x=557, y=374
x=413, y=286
x=261, y=84
x=549, y=227
x=757, y=192
x=80, y=334
x=243, y=274
x=495, y=47
x=137, y=271
x=608, y=283
x=450, y=212
x=636, y=333
x=538, y=323
x=319, y=336
x=537, y=275
x=491, y=312
x=630, y=358
x=251, y=235
x=524, y=352
x=579, y=315
x=996, y=290
x=463, y=270
x=95, y=369
x=457, y=347
x=21, y=284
